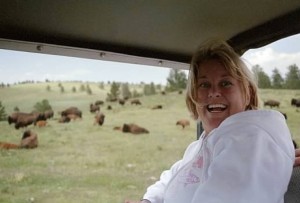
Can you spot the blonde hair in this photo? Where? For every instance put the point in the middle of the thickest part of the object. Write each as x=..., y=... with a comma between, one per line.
x=219, y=50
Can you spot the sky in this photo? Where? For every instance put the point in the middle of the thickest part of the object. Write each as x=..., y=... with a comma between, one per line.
x=18, y=66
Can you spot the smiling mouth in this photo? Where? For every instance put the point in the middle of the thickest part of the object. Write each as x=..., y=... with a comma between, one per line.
x=215, y=108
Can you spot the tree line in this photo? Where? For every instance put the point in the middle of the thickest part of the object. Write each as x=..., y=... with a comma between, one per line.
x=291, y=80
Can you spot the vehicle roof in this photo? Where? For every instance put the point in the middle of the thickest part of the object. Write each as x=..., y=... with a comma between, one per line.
x=153, y=32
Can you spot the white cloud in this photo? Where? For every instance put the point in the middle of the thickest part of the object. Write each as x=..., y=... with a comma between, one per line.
x=269, y=59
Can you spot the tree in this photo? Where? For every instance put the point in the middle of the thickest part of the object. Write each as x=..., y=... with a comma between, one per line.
x=114, y=91
x=73, y=89
x=292, y=80
x=277, y=80
x=42, y=106
x=149, y=89
x=48, y=88
x=176, y=80
x=262, y=78
x=88, y=89
x=3, y=115
x=125, y=90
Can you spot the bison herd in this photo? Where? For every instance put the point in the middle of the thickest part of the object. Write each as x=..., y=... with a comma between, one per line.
x=39, y=119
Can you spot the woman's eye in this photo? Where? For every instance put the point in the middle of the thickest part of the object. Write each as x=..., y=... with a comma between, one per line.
x=204, y=85
x=226, y=84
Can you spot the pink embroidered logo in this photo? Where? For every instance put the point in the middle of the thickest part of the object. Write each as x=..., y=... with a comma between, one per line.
x=198, y=163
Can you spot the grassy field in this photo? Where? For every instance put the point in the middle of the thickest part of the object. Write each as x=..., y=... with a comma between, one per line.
x=81, y=162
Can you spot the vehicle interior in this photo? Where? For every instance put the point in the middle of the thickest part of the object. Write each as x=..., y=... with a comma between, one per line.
x=157, y=33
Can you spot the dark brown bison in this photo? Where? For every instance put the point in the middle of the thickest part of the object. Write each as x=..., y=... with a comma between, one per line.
x=49, y=114
x=94, y=108
x=29, y=140
x=99, y=102
x=272, y=103
x=64, y=119
x=121, y=102
x=157, y=107
x=183, y=123
x=72, y=110
x=99, y=118
x=295, y=102
x=136, y=102
x=109, y=107
x=24, y=119
x=133, y=128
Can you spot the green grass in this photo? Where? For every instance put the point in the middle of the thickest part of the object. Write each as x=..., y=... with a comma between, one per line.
x=81, y=162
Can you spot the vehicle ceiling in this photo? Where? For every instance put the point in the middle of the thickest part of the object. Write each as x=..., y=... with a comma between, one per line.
x=150, y=32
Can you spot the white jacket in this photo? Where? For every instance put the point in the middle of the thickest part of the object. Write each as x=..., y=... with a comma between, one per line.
x=247, y=159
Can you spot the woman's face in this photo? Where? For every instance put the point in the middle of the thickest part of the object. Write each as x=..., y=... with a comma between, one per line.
x=219, y=95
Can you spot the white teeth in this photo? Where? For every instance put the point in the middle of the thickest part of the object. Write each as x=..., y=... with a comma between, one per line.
x=216, y=106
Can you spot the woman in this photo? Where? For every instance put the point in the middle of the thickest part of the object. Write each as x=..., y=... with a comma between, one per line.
x=244, y=154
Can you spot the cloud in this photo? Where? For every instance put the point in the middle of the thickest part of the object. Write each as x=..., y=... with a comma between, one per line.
x=269, y=59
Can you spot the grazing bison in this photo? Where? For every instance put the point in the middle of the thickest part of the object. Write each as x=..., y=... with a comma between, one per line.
x=183, y=123
x=109, y=107
x=94, y=108
x=295, y=102
x=24, y=119
x=29, y=141
x=157, y=107
x=136, y=102
x=99, y=118
x=272, y=103
x=72, y=110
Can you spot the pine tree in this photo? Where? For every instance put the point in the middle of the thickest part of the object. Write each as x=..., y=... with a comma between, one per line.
x=292, y=80
x=3, y=115
x=277, y=80
x=262, y=78
x=176, y=80
x=42, y=106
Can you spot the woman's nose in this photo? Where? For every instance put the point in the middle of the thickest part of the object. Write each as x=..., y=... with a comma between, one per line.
x=214, y=92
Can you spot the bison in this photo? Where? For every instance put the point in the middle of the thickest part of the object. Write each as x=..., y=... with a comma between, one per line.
x=49, y=114
x=121, y=102
x=64, y=119
x=295, y=102
x=94, y=108
x=99, y=102
x=183, y=123
x=131, y=128
x=24, y=119
x=136, y=102
x=72, y=110
x=99, y=118
x=5, y=145
x=29, y=140
x=41, y=123
x=157, y=107
x=272, y=103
